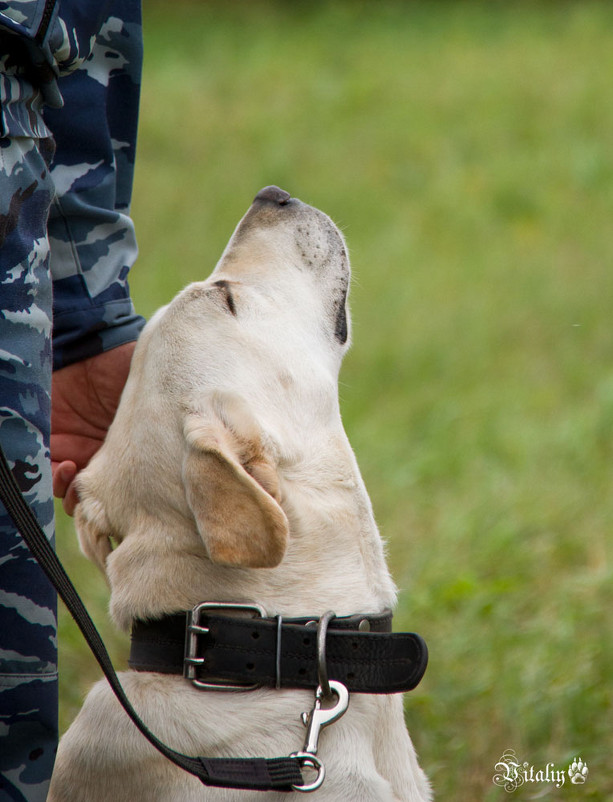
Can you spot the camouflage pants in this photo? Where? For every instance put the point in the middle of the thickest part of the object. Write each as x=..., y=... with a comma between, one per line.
x=70, y=230
x=28, y=643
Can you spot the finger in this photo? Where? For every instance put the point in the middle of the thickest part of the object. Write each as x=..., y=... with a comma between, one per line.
x=64, y=474
x=71, y=499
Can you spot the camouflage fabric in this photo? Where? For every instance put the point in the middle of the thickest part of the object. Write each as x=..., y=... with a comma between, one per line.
x=66, y=246
x=29, y=24
x=92, y=239
x=96, y=51
x=28, y=673
x=57, y=36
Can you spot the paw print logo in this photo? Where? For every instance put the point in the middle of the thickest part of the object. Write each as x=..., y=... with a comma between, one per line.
x=578, y=771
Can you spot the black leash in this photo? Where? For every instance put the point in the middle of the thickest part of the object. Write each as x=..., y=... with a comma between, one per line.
x=257, y=774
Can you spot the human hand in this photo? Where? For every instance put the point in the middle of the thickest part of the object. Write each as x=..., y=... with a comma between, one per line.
x=84, y=399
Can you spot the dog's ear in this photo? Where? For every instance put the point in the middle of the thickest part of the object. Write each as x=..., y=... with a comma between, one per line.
x=94, y=530
x=231, y=485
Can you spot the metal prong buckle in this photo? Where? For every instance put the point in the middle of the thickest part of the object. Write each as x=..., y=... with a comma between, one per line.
x=194, y=628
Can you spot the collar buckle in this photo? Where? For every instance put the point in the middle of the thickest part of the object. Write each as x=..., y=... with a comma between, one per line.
x=194, y=628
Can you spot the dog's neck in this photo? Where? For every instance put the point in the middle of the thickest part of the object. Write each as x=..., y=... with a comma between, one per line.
x=334, y=559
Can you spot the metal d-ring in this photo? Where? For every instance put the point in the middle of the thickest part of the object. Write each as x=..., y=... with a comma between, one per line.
x=322, y=667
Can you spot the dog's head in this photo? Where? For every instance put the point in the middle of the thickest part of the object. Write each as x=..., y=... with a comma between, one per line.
x=235, y=377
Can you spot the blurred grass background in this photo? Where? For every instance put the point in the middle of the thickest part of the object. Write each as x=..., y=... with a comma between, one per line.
x=466, y=149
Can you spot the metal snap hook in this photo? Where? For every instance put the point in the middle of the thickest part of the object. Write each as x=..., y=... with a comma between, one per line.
x=315, y=720
x=320, y=716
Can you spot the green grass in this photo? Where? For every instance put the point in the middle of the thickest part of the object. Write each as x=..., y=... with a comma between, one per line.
x=466, y=149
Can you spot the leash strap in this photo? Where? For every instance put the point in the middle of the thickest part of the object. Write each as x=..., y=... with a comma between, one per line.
x=259, y=774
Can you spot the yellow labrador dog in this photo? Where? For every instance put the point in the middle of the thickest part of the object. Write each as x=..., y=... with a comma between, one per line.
x=227, y=477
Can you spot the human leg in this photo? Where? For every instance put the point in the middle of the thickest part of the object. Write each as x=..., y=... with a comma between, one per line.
x=28, y=642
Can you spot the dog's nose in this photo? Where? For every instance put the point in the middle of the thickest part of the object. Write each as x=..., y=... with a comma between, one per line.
x=273, y=195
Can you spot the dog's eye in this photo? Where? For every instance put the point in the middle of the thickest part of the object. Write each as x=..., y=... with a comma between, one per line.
x=224, y=286
x=340, y=328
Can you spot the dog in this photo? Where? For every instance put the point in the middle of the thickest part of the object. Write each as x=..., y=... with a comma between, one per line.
x=227, y=475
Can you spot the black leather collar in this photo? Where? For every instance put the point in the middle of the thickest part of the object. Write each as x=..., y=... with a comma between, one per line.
x=361, y=651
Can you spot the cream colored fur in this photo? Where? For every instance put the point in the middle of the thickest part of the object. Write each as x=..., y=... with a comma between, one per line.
x=227, y=476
